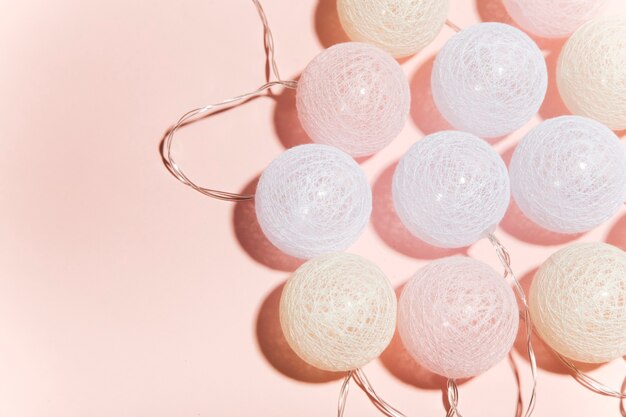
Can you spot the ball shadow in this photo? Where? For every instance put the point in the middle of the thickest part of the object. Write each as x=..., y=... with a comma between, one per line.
x=546, y=359
x=617, y=235
x=252, y=239
x=277, y=351
x=521, y=227
x=397, y=360
x=495, y=11
x=553, y=105
x=390, y=229
x=424, y=112
x=327, y=24
x=286, y=123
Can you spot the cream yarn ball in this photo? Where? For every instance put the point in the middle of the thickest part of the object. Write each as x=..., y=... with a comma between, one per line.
x=313, y=199
x=552, y=19
x=451, y=189
x=578, y=302
x=353, y=96
x=399, y=27
x=489, y=79
x=457, y=317
x=591, y=72
x=568, y=174
x=338, y=312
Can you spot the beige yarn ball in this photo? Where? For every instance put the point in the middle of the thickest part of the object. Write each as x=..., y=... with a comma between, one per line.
x=591, y=72
x=399, y=27
x=578, y=302
x=338, y=312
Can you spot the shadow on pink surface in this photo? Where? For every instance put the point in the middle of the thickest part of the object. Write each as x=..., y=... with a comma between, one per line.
x=390, y=229
x=553, y=105
x=617, y=235
x=275, y=348
x=521, y=227
x=252, y=239
x=286, y=123
x=397, y=360
x=494, y=11
x=327, y=24
x=424, y=112
x=546, y=359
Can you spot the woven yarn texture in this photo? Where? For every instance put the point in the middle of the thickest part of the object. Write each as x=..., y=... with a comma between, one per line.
x=489, y=79
x=353, y=96
x=457, y=317
x=591, y=72
x=451, y=189
x=399, y=27
x=568, y=174
x=578, y=302
x=338, y=312
x=552, y=19
x=313, y=199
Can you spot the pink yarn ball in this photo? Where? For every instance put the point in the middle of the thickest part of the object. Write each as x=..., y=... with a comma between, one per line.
x=353, y=96
x=457, y=317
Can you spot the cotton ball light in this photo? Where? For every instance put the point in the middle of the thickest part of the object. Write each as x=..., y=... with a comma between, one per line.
x=489, y=79
x=399, y=27
x=313, y=199
x=338, y=312
x=578, y=302
x=568, y=174
x=552, y=19
x=591, y=72
x=353, y=96
x=451, y=189
x=457, y=317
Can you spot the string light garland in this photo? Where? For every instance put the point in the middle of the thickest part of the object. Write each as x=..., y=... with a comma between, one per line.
x=457, y=316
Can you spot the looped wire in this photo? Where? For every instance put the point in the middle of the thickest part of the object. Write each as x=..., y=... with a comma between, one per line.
x=582, y=378
x=362, y=382
x=201, y=112
x=589, y=382
x=453, y=393
x=452, y=26
x=505, y=260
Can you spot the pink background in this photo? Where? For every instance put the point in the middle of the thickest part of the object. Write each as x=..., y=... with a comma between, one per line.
x=124, y=293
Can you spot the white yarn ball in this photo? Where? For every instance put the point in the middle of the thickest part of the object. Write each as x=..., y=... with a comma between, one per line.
x=451, y=189
x=399, y=27
x=489, y=79
x=552, y=19
x=457, y=317
x=338, y=312
x=578, y=302
x=591, y=72
x=313, y=199
x=568, y=174
x=353, y=96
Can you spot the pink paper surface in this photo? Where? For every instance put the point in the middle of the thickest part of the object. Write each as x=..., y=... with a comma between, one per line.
x=125, y=294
